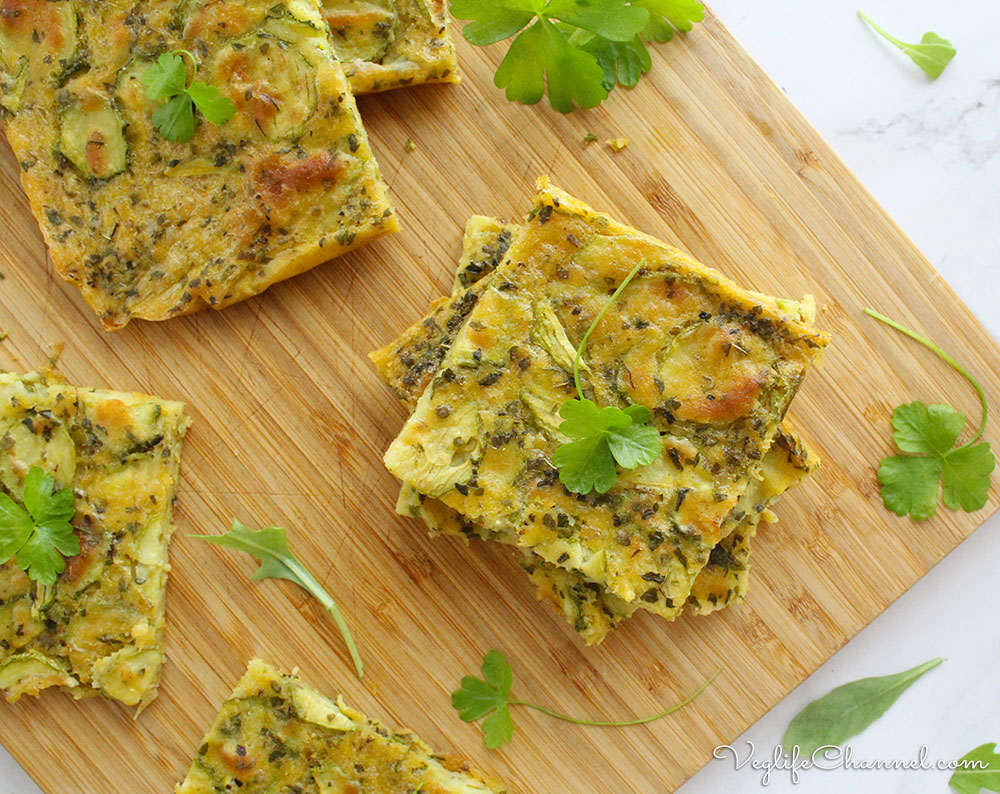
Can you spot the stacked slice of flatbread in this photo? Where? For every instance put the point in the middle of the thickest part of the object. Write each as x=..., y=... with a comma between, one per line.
x=148, y=225
x=486, y=371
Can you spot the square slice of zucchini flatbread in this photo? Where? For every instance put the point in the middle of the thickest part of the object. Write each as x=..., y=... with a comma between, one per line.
x=99, y=628
x=407, y=365
x=150, y=228
x=387, y=44
x=716, y=365
x=275, y=734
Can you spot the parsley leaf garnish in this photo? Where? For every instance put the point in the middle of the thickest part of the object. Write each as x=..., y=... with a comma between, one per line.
x=490, y=697
x=269, y=546
x=39, y=535
x=979, y=770
x=932, y=54
x=933, y=464
x=604, y=436
x=167, y=80
x=576, y=49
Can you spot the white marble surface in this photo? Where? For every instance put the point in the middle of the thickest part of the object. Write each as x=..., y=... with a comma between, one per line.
x=930, y=152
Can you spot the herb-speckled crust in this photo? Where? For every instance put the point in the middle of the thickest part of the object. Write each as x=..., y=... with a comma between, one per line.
x=388, y=44
x=276, y=735
x=149, y=228
x=717, y=365
x=100, y=629
x=407, y=365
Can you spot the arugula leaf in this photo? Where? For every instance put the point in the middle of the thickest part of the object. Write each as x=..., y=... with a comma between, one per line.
x=605, y=436
x=848, y=710
x=269, y=546
x=167, y=80
x=932, y=54
x=911, y=483
x=576, y=49
x=39, y=535
x=490, y=697
x=980, y=770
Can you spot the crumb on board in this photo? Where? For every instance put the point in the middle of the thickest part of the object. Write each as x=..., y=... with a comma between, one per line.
x=589, y=138
x=618, y=143
x=410, y=145
x=3, y=335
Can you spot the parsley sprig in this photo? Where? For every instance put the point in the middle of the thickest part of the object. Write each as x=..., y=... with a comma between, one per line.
x=39, y=535
x=167, y=80
x=490, y=697
x=932, y=54
x=604, y=436
x=933, y=464
x=576, y=49
x=269, y=546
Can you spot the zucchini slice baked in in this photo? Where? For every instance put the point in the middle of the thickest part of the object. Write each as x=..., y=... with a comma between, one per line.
x=274, y=734
x=98, y=629
x=407, y=365
x=150, y=228
x=387, y=44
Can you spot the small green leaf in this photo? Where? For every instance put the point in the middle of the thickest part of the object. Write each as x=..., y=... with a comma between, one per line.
x=623, y=62
x=667, y=15
x=931, y=429
x=932, y=54
x=16, y=527
x=498, y=673
x=980, y=771
x=910, y=485
x=498, y=728
x=586, y=465
x=39, y=536
x=167, y=78
x=541, y=57
x=611, y=19
x=490, y=22
x=966, y=477
x=490, y=697
x=175, y=119
x=215, y=107
x=269, y=546
x=848, y=710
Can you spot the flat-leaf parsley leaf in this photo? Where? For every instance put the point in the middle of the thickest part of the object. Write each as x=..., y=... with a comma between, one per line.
x=576, y=49
x=932, y=54
x=39, y=535
x=167, y=80
x=933, y=464
x=269, y=546
x=490, y=697
x=604, y=436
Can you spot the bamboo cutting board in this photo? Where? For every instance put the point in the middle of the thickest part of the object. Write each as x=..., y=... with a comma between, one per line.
x=290, y=422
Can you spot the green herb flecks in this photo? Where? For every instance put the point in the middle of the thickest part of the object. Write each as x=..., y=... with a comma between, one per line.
x=490, y=697
x=167, y=80
x=848, y=710
x=980, y=771
x=576, y=50
x=269, y=546
x=912, y=482
x=604, y=436
x=932, y=54
x=39, y=536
